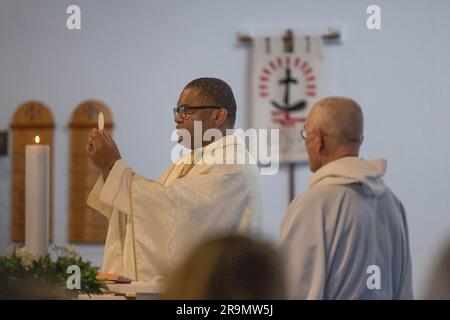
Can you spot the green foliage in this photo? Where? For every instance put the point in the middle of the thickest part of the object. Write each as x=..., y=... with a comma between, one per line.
x=23, y=276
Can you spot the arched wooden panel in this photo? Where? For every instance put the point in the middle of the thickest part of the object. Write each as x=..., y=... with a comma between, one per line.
x=31, y=119
x=85, y=224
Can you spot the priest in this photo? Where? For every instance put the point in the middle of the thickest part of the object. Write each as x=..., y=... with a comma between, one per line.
x=346, y=236
x=154, y=223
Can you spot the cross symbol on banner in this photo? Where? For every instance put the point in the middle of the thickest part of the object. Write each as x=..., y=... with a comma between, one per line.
x=287, y=82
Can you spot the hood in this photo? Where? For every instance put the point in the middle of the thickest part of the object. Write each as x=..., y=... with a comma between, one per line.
x=352, y=170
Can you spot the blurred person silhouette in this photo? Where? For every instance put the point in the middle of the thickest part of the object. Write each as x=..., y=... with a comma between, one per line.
x=439, y=283
x=227, y=268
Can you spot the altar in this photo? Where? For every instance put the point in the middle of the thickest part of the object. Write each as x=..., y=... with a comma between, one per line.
x=136, y=290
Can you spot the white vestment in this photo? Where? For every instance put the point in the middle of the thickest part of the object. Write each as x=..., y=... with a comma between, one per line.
x=149, y=235
x=346, y=237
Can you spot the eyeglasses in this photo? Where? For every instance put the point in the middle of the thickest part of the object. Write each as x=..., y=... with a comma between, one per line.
x=183, y=110
x=303, y=133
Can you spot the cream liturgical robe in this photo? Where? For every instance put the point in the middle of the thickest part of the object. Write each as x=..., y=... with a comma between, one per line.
x=154, y=223
x=346, y=237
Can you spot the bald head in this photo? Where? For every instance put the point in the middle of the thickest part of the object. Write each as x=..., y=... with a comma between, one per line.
x=340, y=118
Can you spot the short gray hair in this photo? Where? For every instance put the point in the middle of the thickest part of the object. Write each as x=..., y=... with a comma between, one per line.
x=341, y=118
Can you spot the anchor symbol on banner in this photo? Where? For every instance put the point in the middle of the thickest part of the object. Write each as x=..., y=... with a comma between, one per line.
x=300, y=105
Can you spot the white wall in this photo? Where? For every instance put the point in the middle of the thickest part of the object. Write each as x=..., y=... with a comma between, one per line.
x=137, y=55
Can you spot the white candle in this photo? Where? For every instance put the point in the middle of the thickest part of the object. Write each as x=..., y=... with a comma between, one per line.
x=37, y=197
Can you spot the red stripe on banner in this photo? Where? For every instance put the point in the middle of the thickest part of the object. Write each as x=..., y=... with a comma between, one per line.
x=285, y=118
x=263, y=86
x=308, y=71
x=263, y=94
x=304, y=65
x=262, y=78
x=288, y=61
x=280, y=63
x=311, y=86
x=297, y=62
x=311, y=78
x=311, y=93
x=287, y=123
x=272, y=65
x=279, y=114
x=284, y=114
x=266, y=71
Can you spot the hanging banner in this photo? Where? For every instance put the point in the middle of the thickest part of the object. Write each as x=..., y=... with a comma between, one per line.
x=284, y=86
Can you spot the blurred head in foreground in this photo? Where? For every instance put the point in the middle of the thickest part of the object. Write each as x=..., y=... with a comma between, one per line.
x=230, y=267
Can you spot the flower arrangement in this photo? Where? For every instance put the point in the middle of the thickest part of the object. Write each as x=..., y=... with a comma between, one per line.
x=22, y=276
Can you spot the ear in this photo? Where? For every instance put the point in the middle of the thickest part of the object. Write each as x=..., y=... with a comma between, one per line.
x=220, y=116
x=320, y=141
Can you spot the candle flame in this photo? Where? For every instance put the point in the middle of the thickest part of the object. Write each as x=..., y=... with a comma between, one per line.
x=37, y=139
